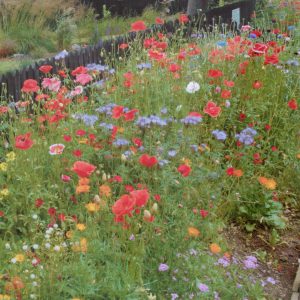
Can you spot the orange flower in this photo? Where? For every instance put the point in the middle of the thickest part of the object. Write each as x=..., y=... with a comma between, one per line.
x=69, y=234
x=82, y=189
x=193, y=232
x=298, y=155
x=105, y=190
x=215, y=248
x=92, y=207
x=268, y=183
x=83, y=181
x=237, y=173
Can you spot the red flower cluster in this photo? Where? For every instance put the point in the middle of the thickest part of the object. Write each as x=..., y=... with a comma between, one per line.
x=23, y=141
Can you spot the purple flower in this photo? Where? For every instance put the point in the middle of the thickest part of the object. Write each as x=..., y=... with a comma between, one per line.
x=271, y=280
x=120, y=142
x=191, y=120
x=250, y=262
x=203, y=287
x=223, y=261
x=163, y=268
x=174, y=296
x=172, y=153
x=219, y=135
x=246, y=136
x=132, y=237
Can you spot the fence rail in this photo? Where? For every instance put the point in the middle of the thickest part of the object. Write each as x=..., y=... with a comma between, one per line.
x=11, y=83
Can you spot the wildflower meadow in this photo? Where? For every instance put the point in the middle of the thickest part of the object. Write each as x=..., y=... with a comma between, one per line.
x=117, y=180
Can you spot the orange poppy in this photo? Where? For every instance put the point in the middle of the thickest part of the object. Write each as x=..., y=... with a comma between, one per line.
x=193, y=232
x=215, y=248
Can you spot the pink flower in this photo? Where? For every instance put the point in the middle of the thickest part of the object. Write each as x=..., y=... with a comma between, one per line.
x=83, y=78
x=77, y=91
x=52, y=84
x=56, y=149
x=65, y=178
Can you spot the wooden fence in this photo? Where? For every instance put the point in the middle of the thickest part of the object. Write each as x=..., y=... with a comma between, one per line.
x=11, y=83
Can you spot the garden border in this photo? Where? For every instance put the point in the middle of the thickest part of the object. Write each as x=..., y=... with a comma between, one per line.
x=11, y=82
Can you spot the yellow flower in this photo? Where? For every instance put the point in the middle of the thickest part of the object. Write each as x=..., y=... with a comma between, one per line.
x=4, y=297
x=92, y=207
x=186, y=161
x=298, y=155
x=4, y=192
x=83, y=141
x=10, y=156
x=81, y=247
x=3, y=167
x=80, y=227
x=19, y=257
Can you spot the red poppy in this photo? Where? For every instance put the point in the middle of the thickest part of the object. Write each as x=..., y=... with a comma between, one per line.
x=123, y=206
x=141, y=197
x=67, y=138
x=123, y=46
x=214, y=73
x=157, y=197
x=257, y=84
x=39, y=202
x=203, y=213
x=184, y=170
x=29, y=86
x=79, y=70
x=45, y=68
x=271, y=59
x=159, y=21
x=129, y=188
x=174, y=68
x=258, y=49
x=148, y=161
x=229, y=83
x=1, y=213
x=212, y=109
x=226, y=94
x=242, y=117
x=80, y=132
x=62, y=73
x=138, y=26
x=183, y=18
x=52, y=211
x=23, y=141
x=83, y=169
x=117, y=112
x=77, y=153
x=61, y=217
x=130, y=115
x=230, y=171
x=293, y=104
x=3, y=109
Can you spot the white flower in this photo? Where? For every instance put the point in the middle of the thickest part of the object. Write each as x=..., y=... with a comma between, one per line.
x=13, y=260
x=34, y=216
x=192, y=87
x=56, y=248
x=35, y=246
x=25, y=247
x=47, y=245
x=7, y=246
x=32, y=276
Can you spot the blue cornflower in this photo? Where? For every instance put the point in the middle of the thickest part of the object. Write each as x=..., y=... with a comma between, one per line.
x=106, y=125
x=191, y=120
x=252, y=36
x=163, y=162
x=246, y=136
x=106, y=109
x=221, y=43
x=144, y=66
x=120, y=142
x=96, y=67
x=172, y=153
x=219, y=135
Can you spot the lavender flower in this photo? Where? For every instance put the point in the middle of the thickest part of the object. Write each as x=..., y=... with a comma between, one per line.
x=61, y=55
x=89, y=120
x=132, y=237
x=163, y=162
x=223, y=261
x=106, y=125
x=271, y=280
x=172, y=153
x=163, y=268
x=219, y=135
x=146, y=122
x=96, y=67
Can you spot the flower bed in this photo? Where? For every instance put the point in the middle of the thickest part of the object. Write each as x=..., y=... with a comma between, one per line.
x=118, y=187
